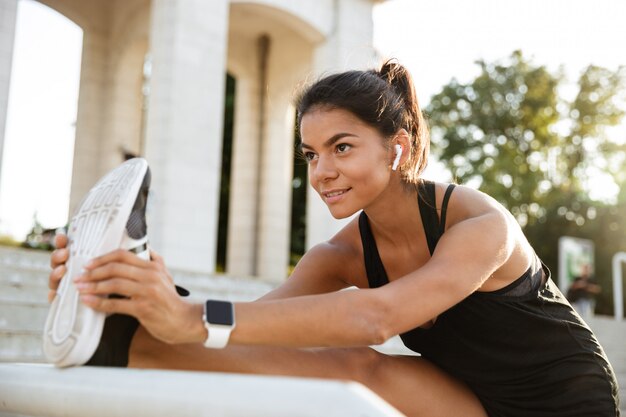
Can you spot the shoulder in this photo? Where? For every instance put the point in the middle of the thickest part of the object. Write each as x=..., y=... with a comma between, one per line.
x=474, y=216
x=466, y=203
x=340, y=256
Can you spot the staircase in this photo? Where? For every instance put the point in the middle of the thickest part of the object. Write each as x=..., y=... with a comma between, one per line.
x=23, y=305
x=24, y=292
x=23, y=308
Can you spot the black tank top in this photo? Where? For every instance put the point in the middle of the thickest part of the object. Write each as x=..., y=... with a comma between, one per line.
x=522, y=349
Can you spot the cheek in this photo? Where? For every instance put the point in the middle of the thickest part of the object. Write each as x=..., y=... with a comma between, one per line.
x=368, y=179
x=372, y=168
x=310, y=177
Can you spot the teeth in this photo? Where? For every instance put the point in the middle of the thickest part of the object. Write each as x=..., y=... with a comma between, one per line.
x=334, y=193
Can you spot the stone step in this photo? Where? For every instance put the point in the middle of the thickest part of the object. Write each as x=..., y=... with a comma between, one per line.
x=24, y=258
x=15, y=275
x=33, y=285
x=23, y=316
x=21, y=346
x=23, y=293
x=40, y=390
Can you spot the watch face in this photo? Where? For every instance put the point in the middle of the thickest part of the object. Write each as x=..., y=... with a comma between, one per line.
x=220, y=312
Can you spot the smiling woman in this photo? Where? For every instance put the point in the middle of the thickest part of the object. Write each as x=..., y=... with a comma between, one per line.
x=444, y=266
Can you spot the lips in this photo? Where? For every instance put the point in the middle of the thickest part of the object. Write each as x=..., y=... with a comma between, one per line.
x=332, y=196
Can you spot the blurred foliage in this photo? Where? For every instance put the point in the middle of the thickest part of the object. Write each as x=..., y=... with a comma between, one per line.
x=511, y=133
x=8, y=240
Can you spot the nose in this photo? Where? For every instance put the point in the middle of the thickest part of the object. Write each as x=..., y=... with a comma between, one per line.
x=324, y=169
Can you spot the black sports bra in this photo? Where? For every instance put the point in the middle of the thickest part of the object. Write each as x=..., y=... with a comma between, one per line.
x=434, y=227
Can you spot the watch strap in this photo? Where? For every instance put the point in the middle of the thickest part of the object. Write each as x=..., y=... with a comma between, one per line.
x=218, y=332
x=217, y=337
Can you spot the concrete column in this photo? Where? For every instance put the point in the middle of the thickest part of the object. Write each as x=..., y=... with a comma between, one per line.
x=349, y=46
x=125, y=101
x=275, y=198
x=260, y=198
x=241, y=248
x=184, y=128
x=109, y=104
x=128, y=44
x=8, y=16
x=88, y=167
x=290, y=63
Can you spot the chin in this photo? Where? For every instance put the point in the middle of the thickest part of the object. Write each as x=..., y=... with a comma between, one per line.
x=341, y=214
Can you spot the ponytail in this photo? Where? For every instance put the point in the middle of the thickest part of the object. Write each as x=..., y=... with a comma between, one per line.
x=399, y=78
x=384, y=99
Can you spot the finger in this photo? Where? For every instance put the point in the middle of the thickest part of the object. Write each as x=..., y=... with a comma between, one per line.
x=51, y=295
x=119, y=286
x=158, y=259
x=114, y=270
x=60, y=241
x=58, y=257
x=109, y=305
x=154, y=256
x=119, y=255
x=55, y=277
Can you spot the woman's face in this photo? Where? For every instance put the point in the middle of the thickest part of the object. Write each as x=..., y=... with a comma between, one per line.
x=349, y=166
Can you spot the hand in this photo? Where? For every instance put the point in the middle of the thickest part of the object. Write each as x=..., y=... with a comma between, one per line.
x=149, y=293
x=57, y=262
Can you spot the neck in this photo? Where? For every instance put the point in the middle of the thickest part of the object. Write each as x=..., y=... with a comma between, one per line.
x=394, y=216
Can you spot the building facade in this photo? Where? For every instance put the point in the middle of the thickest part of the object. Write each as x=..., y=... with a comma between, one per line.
x=153, y=79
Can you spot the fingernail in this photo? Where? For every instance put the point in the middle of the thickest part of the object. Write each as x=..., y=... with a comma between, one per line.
x=88, y=299
x=82, y=285
x=88, y=264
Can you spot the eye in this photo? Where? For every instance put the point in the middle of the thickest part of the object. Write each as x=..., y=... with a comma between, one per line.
x=309, y=156
x=343, y=147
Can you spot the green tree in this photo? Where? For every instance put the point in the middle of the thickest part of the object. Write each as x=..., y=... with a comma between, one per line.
x=511, y=133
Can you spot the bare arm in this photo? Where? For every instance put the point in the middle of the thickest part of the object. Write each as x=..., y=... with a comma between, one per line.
x=319, y=271
x=371, y=316
x=481, y=246
x=465, y=258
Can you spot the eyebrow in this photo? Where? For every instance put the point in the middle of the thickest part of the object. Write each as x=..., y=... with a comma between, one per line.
x=331, y=141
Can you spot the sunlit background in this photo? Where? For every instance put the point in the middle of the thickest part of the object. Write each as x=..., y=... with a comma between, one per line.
x=436, y=40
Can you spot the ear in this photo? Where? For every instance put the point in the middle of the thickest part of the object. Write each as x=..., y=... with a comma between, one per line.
x=403, y=139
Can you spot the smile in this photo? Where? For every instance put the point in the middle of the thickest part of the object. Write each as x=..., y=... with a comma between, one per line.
x=334, y=195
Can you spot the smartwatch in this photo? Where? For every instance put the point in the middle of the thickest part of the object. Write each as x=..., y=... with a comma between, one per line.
x=219, y=320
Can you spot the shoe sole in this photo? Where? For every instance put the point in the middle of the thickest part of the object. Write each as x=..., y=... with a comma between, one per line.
x=73, y=330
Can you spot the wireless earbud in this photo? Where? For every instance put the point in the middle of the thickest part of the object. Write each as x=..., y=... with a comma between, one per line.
x=396, y=161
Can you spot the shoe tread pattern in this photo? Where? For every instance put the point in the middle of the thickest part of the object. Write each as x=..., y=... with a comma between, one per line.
x=68, y=319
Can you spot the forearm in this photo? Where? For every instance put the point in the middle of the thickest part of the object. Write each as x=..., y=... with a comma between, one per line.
x=346, y=318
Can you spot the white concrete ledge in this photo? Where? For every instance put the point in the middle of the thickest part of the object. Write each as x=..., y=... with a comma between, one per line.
x=42, y=390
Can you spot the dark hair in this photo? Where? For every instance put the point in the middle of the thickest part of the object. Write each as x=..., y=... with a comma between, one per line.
x=384, y=99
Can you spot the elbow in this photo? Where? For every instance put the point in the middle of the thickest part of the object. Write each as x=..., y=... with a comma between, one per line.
x=381, y=335
x=377, y=332
x=378, y=322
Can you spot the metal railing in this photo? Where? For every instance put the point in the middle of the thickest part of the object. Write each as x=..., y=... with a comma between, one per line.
x=43, y=390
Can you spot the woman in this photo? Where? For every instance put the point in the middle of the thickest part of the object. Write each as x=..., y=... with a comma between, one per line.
x=446, y=267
